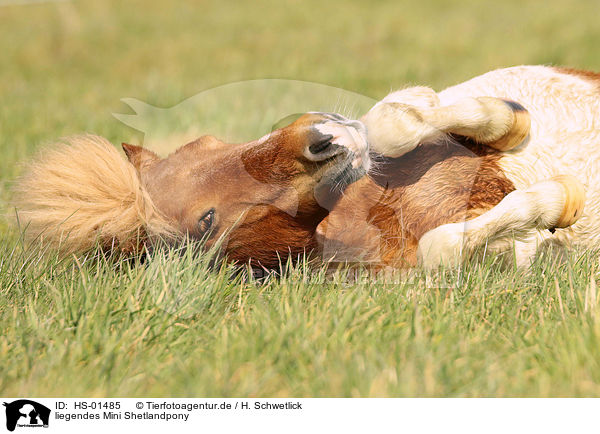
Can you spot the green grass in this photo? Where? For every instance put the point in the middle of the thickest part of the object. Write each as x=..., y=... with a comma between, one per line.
x=103, y=327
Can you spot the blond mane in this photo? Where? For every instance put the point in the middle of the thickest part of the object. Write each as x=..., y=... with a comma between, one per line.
x=82, y=192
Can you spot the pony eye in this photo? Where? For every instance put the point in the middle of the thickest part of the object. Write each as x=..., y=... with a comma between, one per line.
x=206, y=221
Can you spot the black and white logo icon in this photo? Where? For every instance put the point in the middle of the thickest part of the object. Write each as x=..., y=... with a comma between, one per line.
x=24, y=413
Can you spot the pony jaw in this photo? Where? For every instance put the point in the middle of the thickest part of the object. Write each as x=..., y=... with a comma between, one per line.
x=344, y=169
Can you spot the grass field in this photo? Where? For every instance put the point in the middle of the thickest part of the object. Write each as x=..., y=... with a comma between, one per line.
x=95, y=327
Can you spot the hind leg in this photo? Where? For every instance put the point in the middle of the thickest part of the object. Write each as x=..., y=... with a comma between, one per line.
x=524, y=250
x=403, y=120
x=544, y=205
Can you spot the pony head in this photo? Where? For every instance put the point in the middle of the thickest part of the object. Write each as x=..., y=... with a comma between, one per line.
x=263, y=199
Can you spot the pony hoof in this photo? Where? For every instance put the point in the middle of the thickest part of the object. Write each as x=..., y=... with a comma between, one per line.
x=521, y=124
x=574, y=202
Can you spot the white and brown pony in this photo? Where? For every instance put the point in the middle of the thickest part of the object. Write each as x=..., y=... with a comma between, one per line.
x=500, y=161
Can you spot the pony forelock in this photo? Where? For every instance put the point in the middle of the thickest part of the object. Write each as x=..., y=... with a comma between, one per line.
x=81, y=193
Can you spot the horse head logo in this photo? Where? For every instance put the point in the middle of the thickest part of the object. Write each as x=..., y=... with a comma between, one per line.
x=25, y=412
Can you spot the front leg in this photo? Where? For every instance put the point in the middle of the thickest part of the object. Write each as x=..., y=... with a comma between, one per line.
x=395, y=125
x=557, y=203
x=403, y=120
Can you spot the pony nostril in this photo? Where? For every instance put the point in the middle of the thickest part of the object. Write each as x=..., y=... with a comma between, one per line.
x=322, y=145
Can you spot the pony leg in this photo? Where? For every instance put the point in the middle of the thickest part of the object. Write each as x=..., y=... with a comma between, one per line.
x=495, y=122
x=395, y=128
x=524, y=250
x=548, y=204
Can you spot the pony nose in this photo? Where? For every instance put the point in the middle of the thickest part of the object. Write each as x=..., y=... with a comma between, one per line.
x=323, y=145
x=324, y=149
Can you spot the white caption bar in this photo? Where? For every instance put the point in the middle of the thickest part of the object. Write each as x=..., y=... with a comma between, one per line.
x=99, y=415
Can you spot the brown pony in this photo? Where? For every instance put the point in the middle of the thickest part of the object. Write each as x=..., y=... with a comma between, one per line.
x=298, y=190
x=301, y=189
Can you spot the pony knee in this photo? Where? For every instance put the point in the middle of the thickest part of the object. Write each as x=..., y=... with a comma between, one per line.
x=396, y=126
x=443, y=246
x=394, y=129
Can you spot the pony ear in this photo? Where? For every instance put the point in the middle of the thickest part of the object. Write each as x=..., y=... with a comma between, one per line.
x=139, y=157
